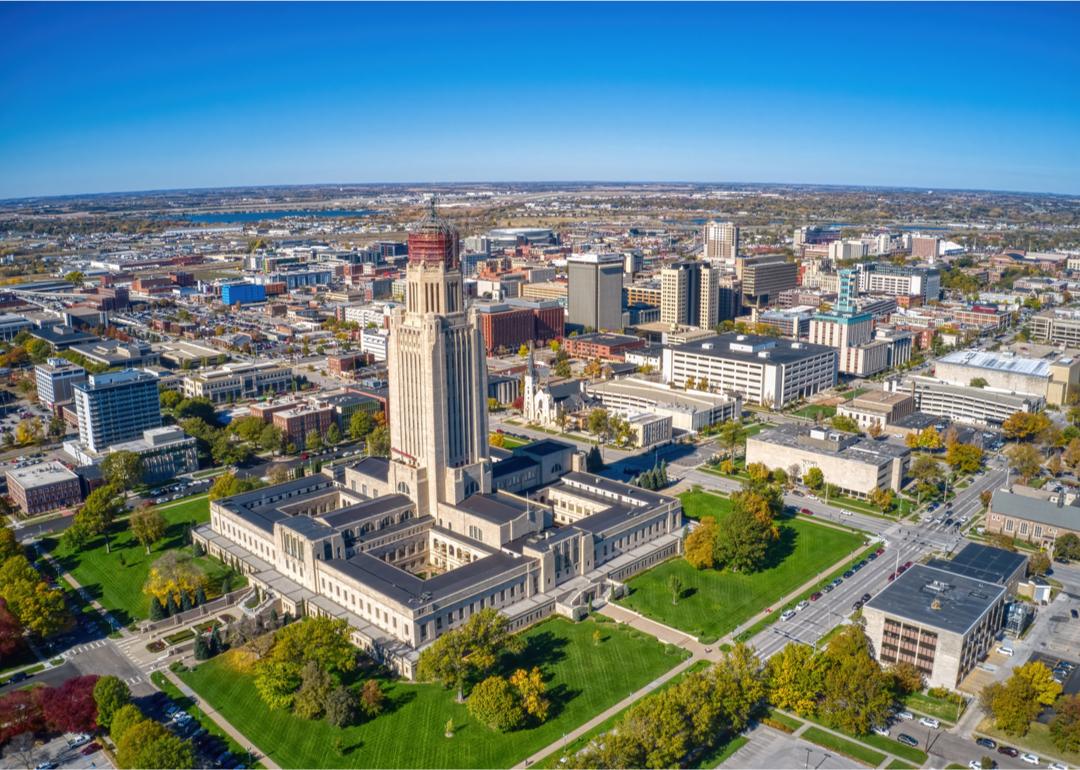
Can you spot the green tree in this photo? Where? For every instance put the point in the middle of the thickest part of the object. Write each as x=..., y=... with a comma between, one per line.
x=598, y=424
x=468, y=651
x=247, y=428
x=315, y=687
x=123, y=470
x=149, y=745
x=148, y=526
x=1067, y=547
x=360, y=424
x=495, y=703
x=857, y=694
x=100, y=509
x=126, y=717
x=326, y=641
x=333, y=434
x=38, y=350
x=40, y=609
x=110, y=694
x=378, y=442
x=313, y=441
x=675, y=587
x=1038, y=563
x=744, y=542
x=1025, y=459
x=228, y=484
x=202, y=408
x=814, y=478
x=1015, y=703
x=1065, y=726
x=341, y=707
x=562, y=368
x=844, y=423
x=276, y=682
x=75, y=276
x=978, y=382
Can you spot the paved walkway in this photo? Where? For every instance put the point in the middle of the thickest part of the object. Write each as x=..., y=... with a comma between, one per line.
x=889, y=758
x=221, y=722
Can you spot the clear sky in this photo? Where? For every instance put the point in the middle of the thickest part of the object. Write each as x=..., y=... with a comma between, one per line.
x=97, y=98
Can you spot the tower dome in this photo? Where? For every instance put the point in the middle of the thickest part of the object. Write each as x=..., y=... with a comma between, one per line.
x=433, y=240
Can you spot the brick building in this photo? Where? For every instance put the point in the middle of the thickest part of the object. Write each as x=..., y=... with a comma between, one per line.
x=43, y=487
x=511, y=324
x=606, y=347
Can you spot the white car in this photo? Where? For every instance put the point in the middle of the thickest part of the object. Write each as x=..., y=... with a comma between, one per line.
x=788, y=615
x=975, y=764
x=1031, y=759
x=930, y=722
x=802, y=605
x=1005, y=650
x=79, y=740
x=882, y=731
x=905, y=715
x=1056, y=766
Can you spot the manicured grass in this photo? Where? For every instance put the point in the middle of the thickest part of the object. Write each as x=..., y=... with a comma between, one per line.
x=582, y=680
x=843, y=746
x=720, y=753
x=791, y=723
x=934, y=707
x=813, y=411
x=116, y=578
x=698, y=503
x=896, y=764
x=583, y=740
x=1037, y=741
x=716, y=601
x=896, y=748
x=508, y=441
x=184, y=702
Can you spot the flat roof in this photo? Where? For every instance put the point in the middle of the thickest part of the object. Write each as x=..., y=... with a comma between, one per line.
x=978, y=359
x=746, y=347
x=40, y=475
x=937, y=598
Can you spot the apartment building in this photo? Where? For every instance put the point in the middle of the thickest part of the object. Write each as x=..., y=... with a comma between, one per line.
x=595, y=294
x=606, y=347
x=116, y=406
x=721, y=242
x=900, y=280
x=689, y=294
x=300, y=420
x=56, y=380
x=762, y=370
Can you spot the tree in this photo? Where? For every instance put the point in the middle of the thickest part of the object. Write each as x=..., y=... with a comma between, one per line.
x=378, y=442
x=313, y=441
x=1071, y=455
x=1024, y=426
x=762, y=501
x=1015, y=703
x=927, y=438
x=1067, y=547
x=276, y=682
x=74, y=276
x=326, y=641
x=333, y=434
x=174, y=576
x=11, y=633
x=126, y=717
x=110, y=693
x=341, y=707
x=814, y=478
x=882, y=497
x=874, y=430
x=795, y=679
x=469, y=650
x=38, y=350
x=372, y=699
x=531, y=693
x=360, y=424
x=272, y=439
x=758, y=473
x=228, y=484
x=744, y=541
x=985, y=497
x=315, y=688
x=857, y=694
x=148, y=526
x=1025, y=459
x=202, y=408
x=20, y=712
x=1054, y=465
x=562, y=368
x=965, y=458
x=29, y=431
x=248, y=428
x=21, y=750
x=1038, y=563
x=278, y=474
x=844, y=423
x=675, y=587
x=41, y=610
x=730, y=434
x=1065, y=727
x=494, y=703
x=123, y=470
x=978, y=382
x=149, y=745
x=700, y=546
x=906, y=678
x=598, y=423
x=926, y=469
x=100, y=509
x=70, y=708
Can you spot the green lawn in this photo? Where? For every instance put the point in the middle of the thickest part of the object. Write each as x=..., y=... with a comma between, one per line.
x=790, y=723
x=843, y=746
x=896, y=764
x=698, y=503
x=509, y=442
x=813, y=411
x=115, y=578
x=184, y=702
x=582, y=678
x=934, y=707
x=714, y=602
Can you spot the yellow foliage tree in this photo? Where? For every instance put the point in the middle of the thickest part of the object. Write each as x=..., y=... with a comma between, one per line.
x=174, y=574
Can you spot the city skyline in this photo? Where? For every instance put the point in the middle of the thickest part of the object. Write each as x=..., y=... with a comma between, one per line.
x=109, y=98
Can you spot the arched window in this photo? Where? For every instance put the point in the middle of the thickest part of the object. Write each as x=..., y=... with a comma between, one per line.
x=403, y=488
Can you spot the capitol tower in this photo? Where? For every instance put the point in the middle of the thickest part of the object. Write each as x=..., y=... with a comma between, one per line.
x=438, y=378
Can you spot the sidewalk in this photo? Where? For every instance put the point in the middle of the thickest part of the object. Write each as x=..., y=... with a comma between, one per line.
x=114, y=624
x=889, y=757
x=221, y=722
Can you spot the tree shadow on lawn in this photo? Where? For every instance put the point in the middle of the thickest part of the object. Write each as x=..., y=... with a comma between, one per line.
x=780, y=549
x=540, y=650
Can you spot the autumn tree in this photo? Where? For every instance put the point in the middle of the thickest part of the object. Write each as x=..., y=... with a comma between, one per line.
x=1015, y=703
x=468, y=651
x=882, y=497
x=857, y=694
x=148, y=744
x=71, y=708
x=965, y=458
x=700, y=546
x=814, y=478
x=532, y=693
x=123, y=470
x=1065, y=726
x=1024, y=426
x=147, y=526
x=795, y=679
x=1025, y=459
x=38, y=608
x=173, y=576
x=495, y=703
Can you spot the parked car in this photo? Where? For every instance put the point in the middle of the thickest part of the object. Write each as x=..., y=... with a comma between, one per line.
x=892, y=577
x=904, y=715
x=907, y=740
x=986, y=743
x=1074, y=612
x=1008, y=751
x=90, y=748
x=1056, y=766
x=79, y=740
x=1004, y=649
x=826, y=588
x=1031, y=759
x=930, y=722
x=865, y=598
x=857, y=605
x=872, y=556
x=881, y=730
x=802, y=605
x=848, y=574
x=815, y=596
x=976, y=764
x=907, y=564
x=807, y=512
x=787, y=615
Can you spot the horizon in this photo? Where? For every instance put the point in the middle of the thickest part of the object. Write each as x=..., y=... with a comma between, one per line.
x=120, y=98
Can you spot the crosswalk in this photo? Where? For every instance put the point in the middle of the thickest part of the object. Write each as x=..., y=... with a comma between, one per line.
x=71, y=653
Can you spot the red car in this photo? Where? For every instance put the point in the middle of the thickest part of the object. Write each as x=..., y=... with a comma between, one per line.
x=892, y=577
x=815, y=596
x=90, y=748
x=807, y=512
x=880, y=551
x=907, y=564
x=901, y=570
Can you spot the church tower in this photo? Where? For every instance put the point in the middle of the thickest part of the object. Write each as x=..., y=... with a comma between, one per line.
x=438, y=378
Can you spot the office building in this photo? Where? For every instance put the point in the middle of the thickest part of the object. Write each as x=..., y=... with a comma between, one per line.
x=56, y=379
x=304, y=418
x=690, y=410
x=239, y=380
x=43, y=487
x=689, y=294
x=877, y=408
x=853, y=464
x=847, y=251
x=721, y=243
x=1055, y=379
x=764, y=277
x=984, y=562
x=940, y=621
x=763, y=370
x=606, y=347
x=791, y=322
x=11, y=325
x=115, y=407
x=965, y=404
x=506, y=326
x=595, y=294
x=927, y=247
x=119, y=355
x=242, y=293
x=166, y=453
x=850, y=332
x=900, y=280
x=1058, y=326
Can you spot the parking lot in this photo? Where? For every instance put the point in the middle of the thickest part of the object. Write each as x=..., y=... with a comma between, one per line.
x=770, y=748
x=211, y=751
x=59, y=753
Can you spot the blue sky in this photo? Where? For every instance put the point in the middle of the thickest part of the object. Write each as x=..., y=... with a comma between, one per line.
x=97, y=98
